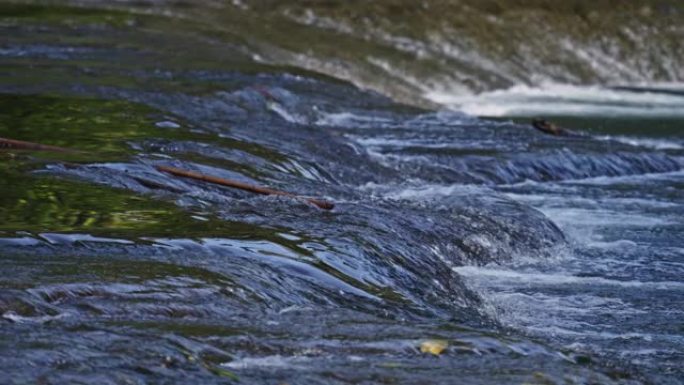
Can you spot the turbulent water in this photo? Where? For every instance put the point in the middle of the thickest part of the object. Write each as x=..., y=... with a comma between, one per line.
x=537, y=259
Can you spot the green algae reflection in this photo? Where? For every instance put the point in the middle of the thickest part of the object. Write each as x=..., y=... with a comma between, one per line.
x=90, y=125
x=103, y=130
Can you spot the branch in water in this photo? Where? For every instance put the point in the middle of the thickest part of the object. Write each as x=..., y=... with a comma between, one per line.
x=323, y=204
x=12, y=144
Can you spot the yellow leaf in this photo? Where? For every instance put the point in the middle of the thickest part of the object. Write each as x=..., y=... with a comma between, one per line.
x=435, y=347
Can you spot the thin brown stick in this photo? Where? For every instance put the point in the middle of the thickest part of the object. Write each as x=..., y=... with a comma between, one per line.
x=12, y=144
x=323, y=204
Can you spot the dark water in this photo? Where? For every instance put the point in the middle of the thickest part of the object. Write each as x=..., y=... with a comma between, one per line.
x=538, y=259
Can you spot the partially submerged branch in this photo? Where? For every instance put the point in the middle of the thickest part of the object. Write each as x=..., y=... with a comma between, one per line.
x=547, y=127
x=552, y=129
x=323, y=204
x=12, y=144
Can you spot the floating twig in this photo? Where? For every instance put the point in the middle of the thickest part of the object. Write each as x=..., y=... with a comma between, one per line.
x=552, y=129
x=323, y=204
x=12, y=144
x=547, y=127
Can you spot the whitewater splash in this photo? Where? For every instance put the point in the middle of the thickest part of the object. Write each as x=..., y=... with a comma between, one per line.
x=407, y=48
x=552, y=99
x=643, y=116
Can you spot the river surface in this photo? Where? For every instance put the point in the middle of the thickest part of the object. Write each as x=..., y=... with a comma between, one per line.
x=536, y=259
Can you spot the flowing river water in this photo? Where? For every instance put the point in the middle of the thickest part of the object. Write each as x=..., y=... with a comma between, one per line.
x=537, y=259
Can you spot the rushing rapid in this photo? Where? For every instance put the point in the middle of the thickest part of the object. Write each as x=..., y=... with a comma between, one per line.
x=535, y=258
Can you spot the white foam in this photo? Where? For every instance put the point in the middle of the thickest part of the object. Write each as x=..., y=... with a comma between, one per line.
x=343, y=119
x=557, y=330
x=566, y=184
x=14, y=317
x=62, y=238
x=553, y=201
x=167, y=124
x=565, y=100
x=275, y=361
x=544, y=279
x=433, y=191
x=580, y=304
x=602, y=218
x=294, y=167
x=402, y=143
x=640, y=178
x=656, y=144
x=288, y=116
